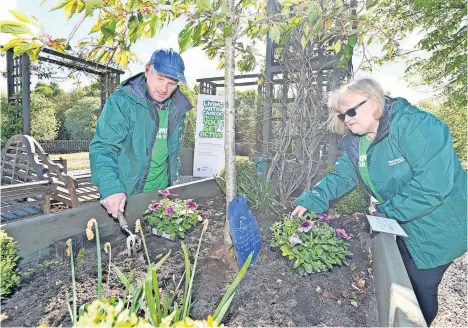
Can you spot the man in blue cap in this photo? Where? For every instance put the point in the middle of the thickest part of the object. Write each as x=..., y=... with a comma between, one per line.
x=139, y=133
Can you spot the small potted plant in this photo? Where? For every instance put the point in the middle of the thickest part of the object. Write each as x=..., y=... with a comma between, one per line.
x=311, y=243
x=172, y=217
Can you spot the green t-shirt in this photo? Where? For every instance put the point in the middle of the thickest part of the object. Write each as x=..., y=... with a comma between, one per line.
x=157, y=174
x=363, y=169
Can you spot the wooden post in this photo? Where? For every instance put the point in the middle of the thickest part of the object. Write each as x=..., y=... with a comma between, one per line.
x=46, y=205
x=26, y=93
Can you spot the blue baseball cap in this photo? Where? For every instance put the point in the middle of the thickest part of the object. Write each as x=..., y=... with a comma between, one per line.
x=168, y=62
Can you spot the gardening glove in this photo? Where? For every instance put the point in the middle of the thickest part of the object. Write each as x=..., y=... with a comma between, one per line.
x=299, y=211
x=114, y=203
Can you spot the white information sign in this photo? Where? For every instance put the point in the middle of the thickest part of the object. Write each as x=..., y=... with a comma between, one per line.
x=385, y=225
x=208, y=158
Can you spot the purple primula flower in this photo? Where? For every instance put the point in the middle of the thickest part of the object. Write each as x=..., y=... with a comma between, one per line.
x=323, y=216
x=153, y=206
x=294, y=240
x=164, y=192
x=167, y=193
x=191, y=205
x=306, y=226
x=342, y=234
x=169, y=209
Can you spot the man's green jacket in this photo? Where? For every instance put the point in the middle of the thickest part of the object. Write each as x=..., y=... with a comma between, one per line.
x=416, y=171
x=120, y=152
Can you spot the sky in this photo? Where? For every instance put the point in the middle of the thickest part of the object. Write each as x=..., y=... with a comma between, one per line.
x=197, y=65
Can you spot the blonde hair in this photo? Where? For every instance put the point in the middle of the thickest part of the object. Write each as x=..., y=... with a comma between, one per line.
x=367, y=87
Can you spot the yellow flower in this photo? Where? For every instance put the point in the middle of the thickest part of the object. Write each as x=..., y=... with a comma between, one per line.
x=91, y=222
x=107, y=247
x=205, y=225
x=137, y=226
x=3, y=316
x=89, y=234
x=68, y=247
x=189, y=323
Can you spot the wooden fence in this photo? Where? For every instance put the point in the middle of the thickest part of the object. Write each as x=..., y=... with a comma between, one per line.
x=65, y=146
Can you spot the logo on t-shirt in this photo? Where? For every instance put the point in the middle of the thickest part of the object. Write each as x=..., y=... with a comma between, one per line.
x=162, y=133
x=363, y=160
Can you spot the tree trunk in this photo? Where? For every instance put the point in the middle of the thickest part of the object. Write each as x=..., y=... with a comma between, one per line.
x=229, y=143
x=230, y=115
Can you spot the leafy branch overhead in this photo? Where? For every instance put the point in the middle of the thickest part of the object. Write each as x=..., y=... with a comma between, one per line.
x=119, y=24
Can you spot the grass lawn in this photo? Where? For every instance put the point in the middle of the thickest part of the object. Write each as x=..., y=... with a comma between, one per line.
x=77, y=165
x=80, y=161
x=83, y=156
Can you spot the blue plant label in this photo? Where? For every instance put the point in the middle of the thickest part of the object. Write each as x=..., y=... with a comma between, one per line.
x=244, y=230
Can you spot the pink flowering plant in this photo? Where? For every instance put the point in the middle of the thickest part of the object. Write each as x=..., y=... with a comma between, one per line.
x=311, y=243
x=172, y=216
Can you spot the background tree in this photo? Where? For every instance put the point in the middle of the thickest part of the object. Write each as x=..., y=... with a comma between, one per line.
x=246, y=119
x=190, y=118
x=439, y=58
x=80, y=120
x=11, y=121
x=44, y=125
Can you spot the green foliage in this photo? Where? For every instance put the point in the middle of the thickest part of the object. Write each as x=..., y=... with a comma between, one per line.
x=441, y=58
x=10, y=119
x=172, y=216
x=259, y=192
x=190, y=118
x=316, y=250
x=190, y=129
x=44, y=125
x=80, y=120
x=81, y=256
x=353, y=201
x=52, y=90
x=246, y=118
x=119, y=25
x=9, y=278
x=146, y=295
x=102, y=313
x=456, y=119
x=93, y=90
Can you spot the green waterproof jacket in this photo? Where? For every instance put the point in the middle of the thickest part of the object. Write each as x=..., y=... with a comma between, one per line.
x=120, y=152
x=414, y=168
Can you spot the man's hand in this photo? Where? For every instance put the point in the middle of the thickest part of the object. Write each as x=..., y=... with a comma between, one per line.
x=114, y=203
x=299, y=211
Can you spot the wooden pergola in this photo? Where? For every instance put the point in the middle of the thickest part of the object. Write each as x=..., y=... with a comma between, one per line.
x=19, y=78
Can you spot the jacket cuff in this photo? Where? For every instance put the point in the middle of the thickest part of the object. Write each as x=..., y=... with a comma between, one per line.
x=112, y=190
x=301, y=201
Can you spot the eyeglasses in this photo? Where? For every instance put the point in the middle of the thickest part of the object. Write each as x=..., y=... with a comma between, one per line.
x=352, y=111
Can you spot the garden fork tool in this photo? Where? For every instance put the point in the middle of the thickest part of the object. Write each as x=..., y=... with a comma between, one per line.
x=133, y=240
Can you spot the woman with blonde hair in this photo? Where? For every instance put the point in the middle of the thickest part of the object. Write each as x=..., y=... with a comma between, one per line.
x=405, y=158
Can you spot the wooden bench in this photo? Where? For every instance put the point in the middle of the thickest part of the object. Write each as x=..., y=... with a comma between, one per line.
x=71, y=190
x=26, y=189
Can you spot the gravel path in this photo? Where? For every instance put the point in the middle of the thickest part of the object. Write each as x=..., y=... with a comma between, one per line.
x=453, y=301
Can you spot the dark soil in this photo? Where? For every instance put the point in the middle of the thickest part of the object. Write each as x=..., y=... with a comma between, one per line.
x=271, y=293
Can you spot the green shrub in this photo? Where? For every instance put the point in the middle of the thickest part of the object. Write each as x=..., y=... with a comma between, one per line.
x=80, y=120
x=8, y=271
x=353, y=201
x=259, y=192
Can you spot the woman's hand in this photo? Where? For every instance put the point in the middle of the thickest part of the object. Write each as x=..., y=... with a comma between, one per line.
x=299, y=211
